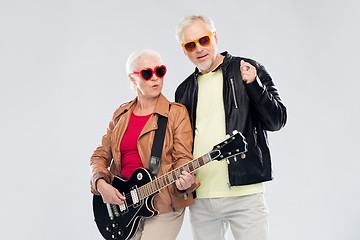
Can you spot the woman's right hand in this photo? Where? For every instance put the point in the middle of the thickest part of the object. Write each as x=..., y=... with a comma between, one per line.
x=109, y=193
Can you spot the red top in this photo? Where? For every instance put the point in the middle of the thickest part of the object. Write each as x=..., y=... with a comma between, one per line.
x=130, y=158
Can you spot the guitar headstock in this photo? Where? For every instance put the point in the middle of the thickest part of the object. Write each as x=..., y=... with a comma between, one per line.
x=232, y=146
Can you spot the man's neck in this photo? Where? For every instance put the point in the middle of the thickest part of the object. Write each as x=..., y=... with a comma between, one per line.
x=219, y=58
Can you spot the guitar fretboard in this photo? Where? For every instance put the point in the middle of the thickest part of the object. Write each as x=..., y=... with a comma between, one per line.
x=170, y=177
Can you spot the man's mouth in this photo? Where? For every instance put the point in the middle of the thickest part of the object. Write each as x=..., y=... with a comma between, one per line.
x=202, y=57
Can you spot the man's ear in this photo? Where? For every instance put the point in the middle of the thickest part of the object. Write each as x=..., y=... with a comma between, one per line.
x=216, y=38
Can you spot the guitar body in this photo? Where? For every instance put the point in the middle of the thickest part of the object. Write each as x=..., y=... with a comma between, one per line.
x=121, y=222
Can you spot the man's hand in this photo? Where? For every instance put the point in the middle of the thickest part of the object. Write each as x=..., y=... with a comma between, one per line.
x=185, y=181
x=109, y=193
x=248, y=72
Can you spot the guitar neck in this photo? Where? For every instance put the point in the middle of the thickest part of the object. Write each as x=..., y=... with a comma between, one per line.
x=170, y=177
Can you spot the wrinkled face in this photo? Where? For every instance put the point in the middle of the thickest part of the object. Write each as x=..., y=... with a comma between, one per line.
x=151, y=88
x=202, y=57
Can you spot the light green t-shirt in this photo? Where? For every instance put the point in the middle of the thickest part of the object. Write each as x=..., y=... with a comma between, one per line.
x=209, y=130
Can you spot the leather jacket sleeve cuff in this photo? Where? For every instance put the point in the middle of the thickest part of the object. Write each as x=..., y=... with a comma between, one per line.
x=96, y=178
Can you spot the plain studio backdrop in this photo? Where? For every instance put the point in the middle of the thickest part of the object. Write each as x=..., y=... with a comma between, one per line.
x=62, y=71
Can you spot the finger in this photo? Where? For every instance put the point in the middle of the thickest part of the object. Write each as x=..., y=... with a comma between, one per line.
x=182, y=181
x=178, y=185
x=119, y=201
x=183, y=175
x=244, y=66
x=242, y=63
x=120, y=196
x=187, y=174
x=188, y=178
x=189, y=181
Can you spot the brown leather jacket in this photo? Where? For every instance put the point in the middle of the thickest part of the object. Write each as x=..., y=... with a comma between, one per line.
x=177, y=149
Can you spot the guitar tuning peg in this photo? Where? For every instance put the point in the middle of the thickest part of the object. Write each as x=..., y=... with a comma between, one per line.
x=235, y=132
x=227, y=136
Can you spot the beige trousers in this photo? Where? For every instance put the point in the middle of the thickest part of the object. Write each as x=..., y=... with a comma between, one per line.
x=163, y=226
x=247, y=217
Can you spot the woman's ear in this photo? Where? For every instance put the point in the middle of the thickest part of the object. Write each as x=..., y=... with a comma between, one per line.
x=132, y=79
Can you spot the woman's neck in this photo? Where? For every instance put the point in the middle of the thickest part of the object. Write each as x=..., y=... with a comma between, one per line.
x=145, y=106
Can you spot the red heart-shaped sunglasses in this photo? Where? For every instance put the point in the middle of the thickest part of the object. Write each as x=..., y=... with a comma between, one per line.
x=147, y=73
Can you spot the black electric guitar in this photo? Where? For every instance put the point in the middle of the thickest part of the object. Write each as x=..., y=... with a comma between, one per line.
x=122, y=221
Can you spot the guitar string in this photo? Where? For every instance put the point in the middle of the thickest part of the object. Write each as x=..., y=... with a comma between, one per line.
x=147, y=189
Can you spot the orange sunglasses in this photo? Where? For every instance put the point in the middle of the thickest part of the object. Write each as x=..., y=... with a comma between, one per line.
x=204, y=41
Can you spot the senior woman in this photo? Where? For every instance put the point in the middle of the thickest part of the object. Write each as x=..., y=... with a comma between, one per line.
x=127, y=145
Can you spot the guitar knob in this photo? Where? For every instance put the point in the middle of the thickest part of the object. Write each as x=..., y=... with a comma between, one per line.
x=108, y=228
x=120, y=232
x=113, y=236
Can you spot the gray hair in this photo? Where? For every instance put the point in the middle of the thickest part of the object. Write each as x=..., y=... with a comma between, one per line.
x=133, y=58
x=131, y=62
x=186, y=21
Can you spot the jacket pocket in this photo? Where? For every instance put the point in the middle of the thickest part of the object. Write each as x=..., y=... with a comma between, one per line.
x=257, y=148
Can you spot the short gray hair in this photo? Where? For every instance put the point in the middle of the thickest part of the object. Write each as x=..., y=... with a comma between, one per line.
x=186, y=21
x=133, y=58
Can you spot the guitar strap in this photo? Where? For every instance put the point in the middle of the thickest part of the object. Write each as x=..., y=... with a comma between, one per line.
x=155, y=158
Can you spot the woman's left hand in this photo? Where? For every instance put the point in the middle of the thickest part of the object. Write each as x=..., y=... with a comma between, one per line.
x=185, y=181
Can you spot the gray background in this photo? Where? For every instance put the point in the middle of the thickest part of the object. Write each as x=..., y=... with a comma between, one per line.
x=62, y=71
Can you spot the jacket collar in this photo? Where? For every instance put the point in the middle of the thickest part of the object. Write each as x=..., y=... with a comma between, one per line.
x=222, y=65
x=161, y=107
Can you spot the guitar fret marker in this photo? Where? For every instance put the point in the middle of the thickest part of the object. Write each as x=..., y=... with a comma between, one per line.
x=177, y=173
x=161, y=182
x=171, y=177
x=196, y=164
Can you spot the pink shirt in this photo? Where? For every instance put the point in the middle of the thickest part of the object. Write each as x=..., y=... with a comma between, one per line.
x=130, y=158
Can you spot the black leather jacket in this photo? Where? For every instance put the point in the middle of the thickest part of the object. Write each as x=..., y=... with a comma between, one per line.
x=251, y=109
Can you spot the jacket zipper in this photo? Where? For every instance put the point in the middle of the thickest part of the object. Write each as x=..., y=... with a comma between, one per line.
x=233, y=91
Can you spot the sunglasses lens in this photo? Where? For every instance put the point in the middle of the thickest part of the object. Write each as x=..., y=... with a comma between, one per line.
x=160, y=71
x=190, y=46
x=204, y=41
x=146, y=74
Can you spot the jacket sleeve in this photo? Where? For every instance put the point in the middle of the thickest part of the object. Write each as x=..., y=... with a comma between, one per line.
x=183, y=141
x=266, y=99
x=101, y=159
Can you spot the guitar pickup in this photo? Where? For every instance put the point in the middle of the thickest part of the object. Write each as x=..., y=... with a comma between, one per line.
x=135, y=197
x=123, y=207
